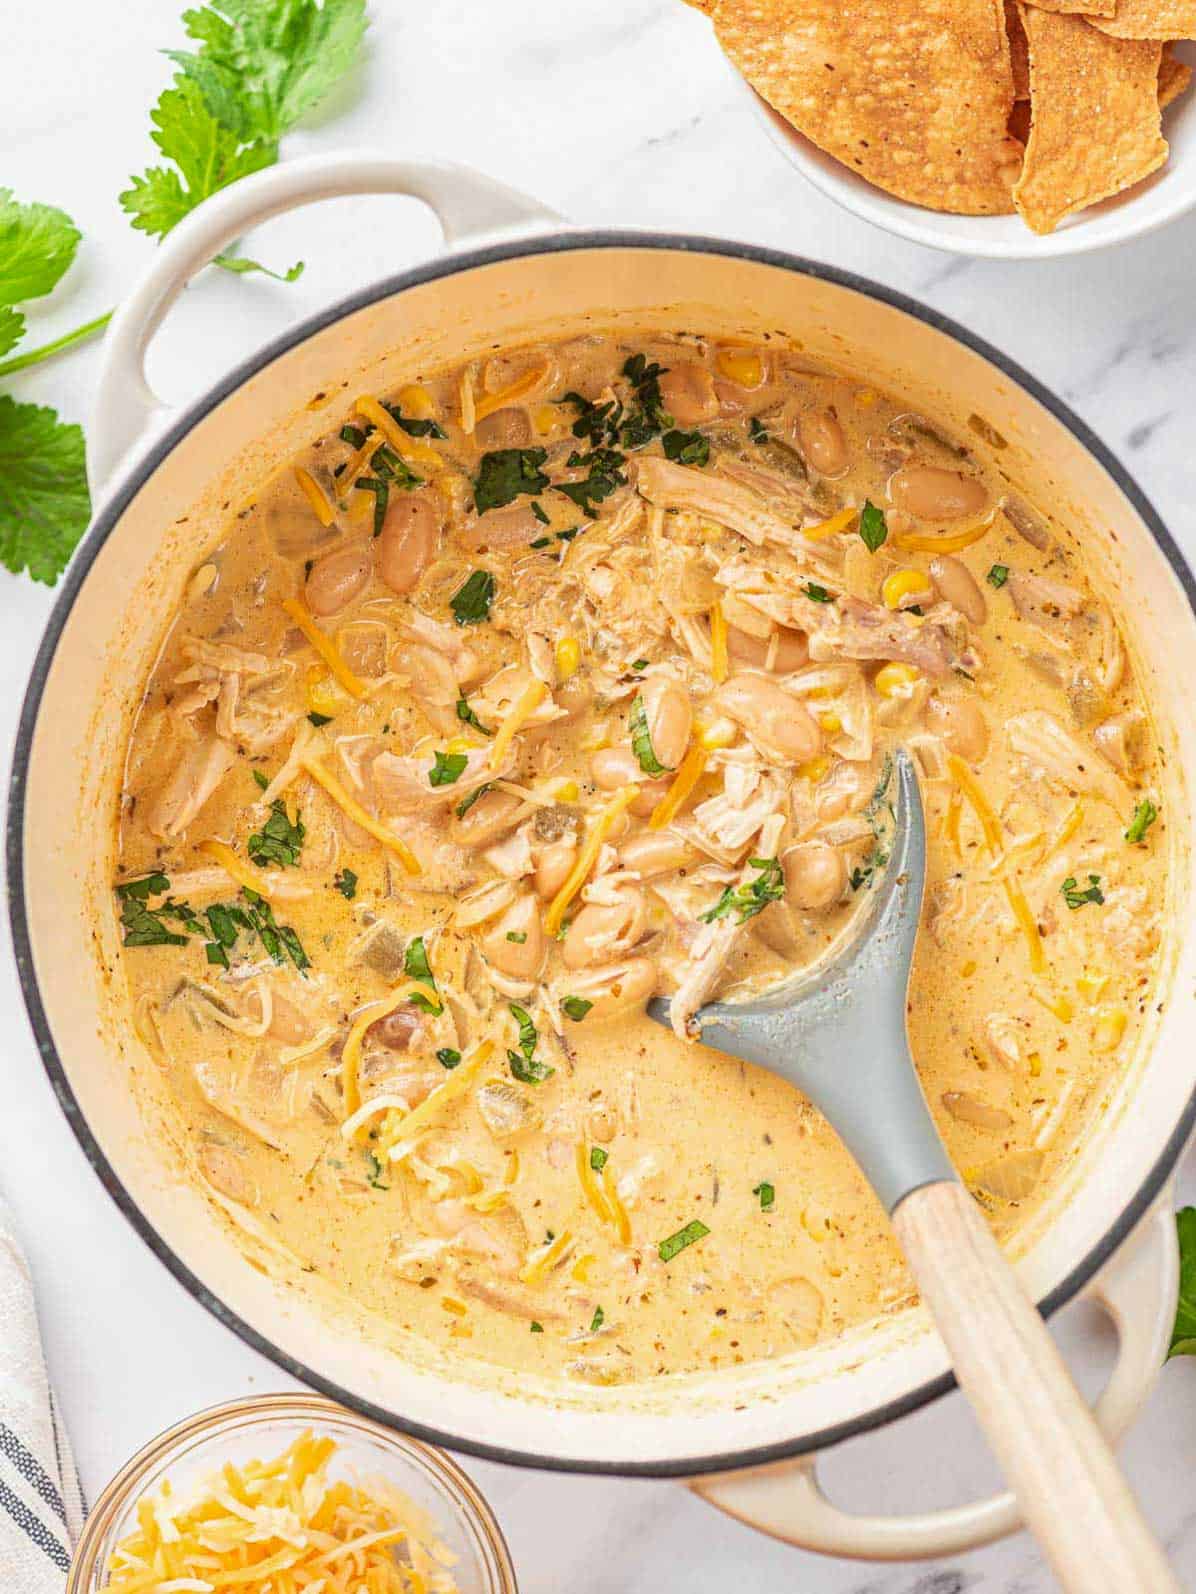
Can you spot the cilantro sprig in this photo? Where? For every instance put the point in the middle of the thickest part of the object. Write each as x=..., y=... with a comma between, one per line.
x=752, y=896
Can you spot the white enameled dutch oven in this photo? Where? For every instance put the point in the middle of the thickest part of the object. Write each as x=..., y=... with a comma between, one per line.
x=745, y=1437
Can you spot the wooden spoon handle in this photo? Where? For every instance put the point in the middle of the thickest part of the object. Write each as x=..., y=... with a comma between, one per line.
x=1073, y=1496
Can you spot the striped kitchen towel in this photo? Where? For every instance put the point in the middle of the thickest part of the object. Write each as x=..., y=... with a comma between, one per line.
x=41, y=1507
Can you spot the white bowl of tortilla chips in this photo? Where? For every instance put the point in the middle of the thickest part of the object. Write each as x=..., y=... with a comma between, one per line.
x=1014, y=129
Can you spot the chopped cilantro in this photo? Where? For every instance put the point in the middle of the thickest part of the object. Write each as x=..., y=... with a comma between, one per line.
x=752, y=896
x=414, y=428
x=373, y=1171
x=447, y=768
x=537, y=1328
x=541, y=542
x=278, y=841
x=1075, y=898
x=1183, y=1334
x=597, y=1320
x=687, y=448
x=518, y=936
x=448, y=1057
x=416, y=967
x=817, y=594
x=506, y=474
x=467, y=715
x=262, y=779
x=597, y=1158
x=471, y=601
x=757, y=431
x=1145, y=815
x=319, y=719
x=604, y=476
x=669, y=1248
x=143, y=925
x=538, y=511
x=873, y=528
x=767, y=1194
x=353, y=435
x=641, y=740
x=529, y=1070
x=998, y=575
x=576, y=1008
x=346, y=883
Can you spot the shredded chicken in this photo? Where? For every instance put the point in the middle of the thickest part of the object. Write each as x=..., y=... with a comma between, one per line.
x=1053, y=754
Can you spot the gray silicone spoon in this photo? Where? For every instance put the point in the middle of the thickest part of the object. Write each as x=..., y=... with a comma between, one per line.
x=838, y=1034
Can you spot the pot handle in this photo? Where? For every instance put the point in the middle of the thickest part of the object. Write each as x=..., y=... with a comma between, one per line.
x=468, y=205
x=1138, y=1289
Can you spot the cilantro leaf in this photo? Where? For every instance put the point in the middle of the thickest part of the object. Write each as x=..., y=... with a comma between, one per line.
x=44, y=502
x=446, y=768
x=346, y=883
x=448, y=1057
x=767, y=1194
x=752, y=896
x=598, y=1158
x=37, y=244
x=687, y=448
x=466, y=714
x=1145, y=815
x=874, y=528
x=1075, y=898
x=528, y=1070
x=669, y=1248
x=817, y=594
x=278, y=841
x=997, y=576
x=1183, y=1335
x=576, y=1008
x=12, y=328
x=264, y=64
x=471, y=601
x=605, y=475
x=505, y=474
x=206, y=157
x=641, y=740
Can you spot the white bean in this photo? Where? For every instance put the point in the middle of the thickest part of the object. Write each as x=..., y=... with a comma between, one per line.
x=960, y=723
x=336, y=579
x=815, y=875
x=932, y=493
x=688, y=394
x=614, y=767
x=772, y=717
x=515, y=943
x=484, y=821
x=653, y=852
x=956, y=585
x=822, y=442
x=792, y=652
x=602, y=929
x=553, y=867
x=408, y=540
x=669, y=716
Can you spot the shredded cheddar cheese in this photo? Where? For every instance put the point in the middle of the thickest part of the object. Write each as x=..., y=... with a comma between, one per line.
x=589, y=1185
x=519, y=388
x=947, y=542
x=280, y=1527
x=618, y=1211
x=409, y=449
x=587, y=857
x=240, y=869
x=689, y=773
x=829, y=528
x=719, y=665
x=351, y=1056
x=326, y=648
x=455, y=1085
x=524, y=707
x=1026, y=923
x=544, y=1258
x=974, y=792
x=311, y=491
x=323, y=777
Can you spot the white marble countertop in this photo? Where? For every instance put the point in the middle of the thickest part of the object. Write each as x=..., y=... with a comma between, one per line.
x=620, y=114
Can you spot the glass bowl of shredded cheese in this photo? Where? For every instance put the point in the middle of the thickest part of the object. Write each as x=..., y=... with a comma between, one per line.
x=290, y=1494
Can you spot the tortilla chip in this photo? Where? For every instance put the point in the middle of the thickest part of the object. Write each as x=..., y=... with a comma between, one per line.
x=1088, y=8
x=1150, y=19
x=1019, y=53
x=1174, y=77
x=1094, y=106
x=915, y=102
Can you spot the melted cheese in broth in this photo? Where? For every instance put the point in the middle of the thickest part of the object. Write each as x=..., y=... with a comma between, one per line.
x=571, y=677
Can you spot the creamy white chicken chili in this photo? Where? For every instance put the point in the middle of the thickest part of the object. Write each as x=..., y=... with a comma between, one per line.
x=573, y=676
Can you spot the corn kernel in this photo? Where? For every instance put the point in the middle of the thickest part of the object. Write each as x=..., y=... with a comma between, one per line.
x=459, y=744
x=1061, y=1006
x=831, y=723
x=581, y=1268
x=1092, y=987
x=325, y=695
x=568, y=657
x=896, y=680
x=746, y=370
x=968, y=969
x=901, y=584
x=719, y=732
x=416, y=403
x=866, y=397
x=1110, y=1027
x=1034, y=1063
x=815, y=770
x=456, y=1307
x=596, y=738
x=545, y=419
x=567, y=792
